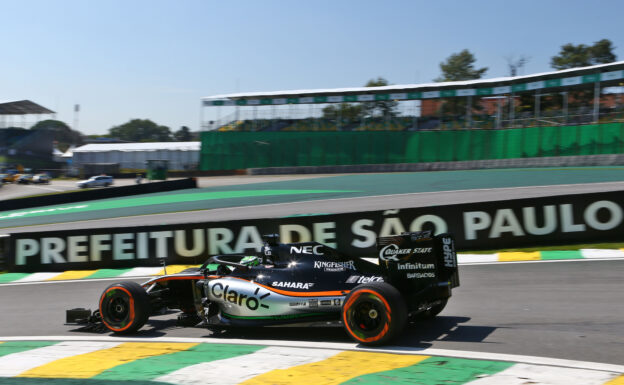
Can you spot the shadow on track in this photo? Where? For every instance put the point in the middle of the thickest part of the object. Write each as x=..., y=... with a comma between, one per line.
x=446, y=329
x=420, y=335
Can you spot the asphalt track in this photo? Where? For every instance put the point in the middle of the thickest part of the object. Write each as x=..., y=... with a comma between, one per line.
x=568, y=310
x=334, y=194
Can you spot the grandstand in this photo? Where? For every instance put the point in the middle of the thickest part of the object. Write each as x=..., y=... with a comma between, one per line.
x=19, y=145
x=573, y=96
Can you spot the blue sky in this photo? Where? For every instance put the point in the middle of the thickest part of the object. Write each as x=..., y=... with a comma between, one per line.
x=155, y=59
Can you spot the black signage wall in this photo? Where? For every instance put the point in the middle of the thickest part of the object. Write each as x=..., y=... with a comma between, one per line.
x=567, y=219
x=99, y=193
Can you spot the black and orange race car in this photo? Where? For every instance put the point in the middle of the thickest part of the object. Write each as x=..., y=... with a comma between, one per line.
x=296, y=282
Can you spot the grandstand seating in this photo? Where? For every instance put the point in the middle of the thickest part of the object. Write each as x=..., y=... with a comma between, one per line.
x=582, y=115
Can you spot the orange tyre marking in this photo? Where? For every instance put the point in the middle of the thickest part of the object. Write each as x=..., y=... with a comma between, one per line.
x=386, y=328
x=131, y=309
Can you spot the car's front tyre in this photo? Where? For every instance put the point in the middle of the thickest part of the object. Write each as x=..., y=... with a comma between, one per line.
x=124, y=307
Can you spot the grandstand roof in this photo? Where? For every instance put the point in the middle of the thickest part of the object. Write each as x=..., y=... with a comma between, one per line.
x=22, y=107
x=611, y=72
x=142, y=146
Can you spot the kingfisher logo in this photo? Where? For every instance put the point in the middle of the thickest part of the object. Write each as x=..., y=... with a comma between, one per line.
x=251, y=302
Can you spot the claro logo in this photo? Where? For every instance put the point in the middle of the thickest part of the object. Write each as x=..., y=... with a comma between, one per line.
x=251, y=302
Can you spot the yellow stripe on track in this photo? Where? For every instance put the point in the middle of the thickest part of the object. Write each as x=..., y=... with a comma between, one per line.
x=91, y=364
x=616, y=381
x=72, y=274
x=175, y=269
x=519, y=256
x=337, y=369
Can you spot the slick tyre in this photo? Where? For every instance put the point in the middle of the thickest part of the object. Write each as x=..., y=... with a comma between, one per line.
x=374, y=313
x=124, y=307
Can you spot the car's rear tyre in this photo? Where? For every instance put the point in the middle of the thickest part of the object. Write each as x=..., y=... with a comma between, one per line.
x=374, y=313
x=124, y=307
x=106, y=184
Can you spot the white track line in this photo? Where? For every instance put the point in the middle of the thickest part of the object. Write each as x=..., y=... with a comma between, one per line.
x=533, y=360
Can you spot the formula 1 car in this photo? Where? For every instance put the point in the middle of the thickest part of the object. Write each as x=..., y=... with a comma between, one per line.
x=295, y=282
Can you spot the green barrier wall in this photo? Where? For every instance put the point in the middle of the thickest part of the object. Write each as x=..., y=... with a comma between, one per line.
x=239, y=150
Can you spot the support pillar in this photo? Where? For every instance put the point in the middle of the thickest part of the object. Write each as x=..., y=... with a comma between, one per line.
x=596, y=102
x=565, y=107
x=201, y=116
x=537, y=106
x=254, y=124
x=468, y=123
x=499, y=112
x=512, y=110
x=339, y=118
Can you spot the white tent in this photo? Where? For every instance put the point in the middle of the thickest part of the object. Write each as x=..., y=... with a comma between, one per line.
x=181, y=155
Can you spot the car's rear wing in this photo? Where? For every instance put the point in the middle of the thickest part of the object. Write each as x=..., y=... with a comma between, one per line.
x=417, y=260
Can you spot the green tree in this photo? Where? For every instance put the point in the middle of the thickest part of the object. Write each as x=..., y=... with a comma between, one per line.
x=602, y=52
x=385, y=108
x=141, y=130
x=63, y=134
x=183, y=134
x=582, y=55
x=460, y=66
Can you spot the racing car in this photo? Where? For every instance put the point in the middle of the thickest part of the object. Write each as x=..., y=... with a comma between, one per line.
x=295, y=282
